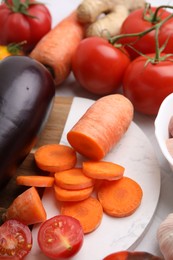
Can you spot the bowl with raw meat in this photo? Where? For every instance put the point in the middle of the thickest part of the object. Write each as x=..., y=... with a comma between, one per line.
x=164, y=128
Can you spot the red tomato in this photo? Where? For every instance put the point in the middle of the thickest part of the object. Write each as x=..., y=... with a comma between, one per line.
x=98, y=66
x=136, y=22
x=25, y=21
x=127, y=255
x=15, y=240
x=60, y=237
x=147, y=84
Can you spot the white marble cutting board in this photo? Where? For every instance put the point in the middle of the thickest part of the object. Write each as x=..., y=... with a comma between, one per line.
x=136, y=154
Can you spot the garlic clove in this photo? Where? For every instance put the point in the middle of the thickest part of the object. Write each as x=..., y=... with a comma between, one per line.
x=165, y=237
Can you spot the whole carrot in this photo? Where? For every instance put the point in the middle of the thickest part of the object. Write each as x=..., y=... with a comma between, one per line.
x=57, y=47
x=102, y=126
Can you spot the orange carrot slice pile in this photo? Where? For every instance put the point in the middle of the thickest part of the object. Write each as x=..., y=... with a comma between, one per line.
x=120, y=198
x=72, y=195
x=36, y=181
x=55, y=157
x=89, y=212
x=73, y=179
x=102, y=126
x=27, y=208
x=103, y=170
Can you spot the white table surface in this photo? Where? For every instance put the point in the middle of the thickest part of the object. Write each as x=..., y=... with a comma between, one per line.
x=71, y=88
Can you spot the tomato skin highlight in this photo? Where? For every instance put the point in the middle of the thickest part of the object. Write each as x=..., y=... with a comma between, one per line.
x=60, y=237
x=30, y=28
x=147, y=85
x=136, y=23
x=15, y=240
x=98, y=66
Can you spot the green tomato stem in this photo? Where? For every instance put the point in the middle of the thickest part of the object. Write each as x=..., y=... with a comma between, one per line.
x=18, y=6
x=155, y=15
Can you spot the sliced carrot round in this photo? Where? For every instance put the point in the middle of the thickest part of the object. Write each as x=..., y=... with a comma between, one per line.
x=89, y=212
x=72, y=195
x=36, y=181
x=103, y=170
x=120, y=198
x=55, y=157
x=73, y=179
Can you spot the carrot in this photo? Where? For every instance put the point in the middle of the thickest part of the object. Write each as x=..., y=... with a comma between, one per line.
x=102, y=126
x=103, y=170
x=89, y=212
x=36, y=181
x=72, y=195
x=73, y=179
x=55, y=157
x=56, y=48
x=120, y=198
x=27, y=208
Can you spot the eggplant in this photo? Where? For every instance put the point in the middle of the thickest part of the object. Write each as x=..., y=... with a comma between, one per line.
x=27, y=92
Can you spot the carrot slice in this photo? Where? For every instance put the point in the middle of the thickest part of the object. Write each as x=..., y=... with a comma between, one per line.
x=72, y=195
x=56, y=48
x=27, y=208
x=102, y=126
x=36, y=181
x=103, y=170
x=89, y=212
x=55, y=157
x=120, y=198
x=73, y=179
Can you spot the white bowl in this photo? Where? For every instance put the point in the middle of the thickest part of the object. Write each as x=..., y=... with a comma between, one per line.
x=161, y=126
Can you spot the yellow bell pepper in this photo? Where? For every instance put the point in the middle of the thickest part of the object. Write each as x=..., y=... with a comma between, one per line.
x=10, y=50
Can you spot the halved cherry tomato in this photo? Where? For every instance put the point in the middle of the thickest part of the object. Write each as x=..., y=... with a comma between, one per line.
x=15, y=240
x=60, y=237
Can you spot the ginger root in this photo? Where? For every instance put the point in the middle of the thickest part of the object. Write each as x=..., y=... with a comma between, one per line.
x=105, y=17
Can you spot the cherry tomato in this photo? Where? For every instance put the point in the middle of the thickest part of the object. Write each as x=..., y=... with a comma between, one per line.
x=127, y=255
x=60, y=237
x=147, y=84
x=136, y=22
x=15, y=240
x=98, y=66
x=23, y=20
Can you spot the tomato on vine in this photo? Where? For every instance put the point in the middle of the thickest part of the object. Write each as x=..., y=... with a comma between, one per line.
x=142, y=20
x=99, y=66
x=147, y=82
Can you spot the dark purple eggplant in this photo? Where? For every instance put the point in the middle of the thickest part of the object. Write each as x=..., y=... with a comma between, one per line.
x=27, y=92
